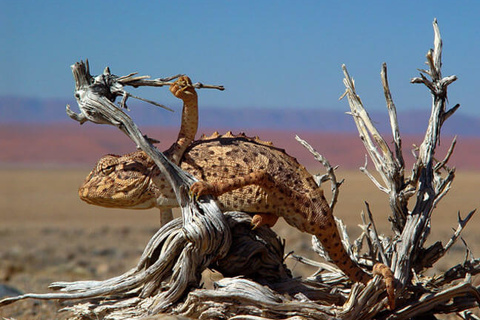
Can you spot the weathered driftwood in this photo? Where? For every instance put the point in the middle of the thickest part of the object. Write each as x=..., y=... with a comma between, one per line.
x=429, y=182
x=204, y=235
x=257, y=285
x=115, y=87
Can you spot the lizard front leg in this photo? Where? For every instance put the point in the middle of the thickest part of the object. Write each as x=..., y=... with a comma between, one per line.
x=184, y=90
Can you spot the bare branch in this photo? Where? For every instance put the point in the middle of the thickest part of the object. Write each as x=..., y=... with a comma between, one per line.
x=468, y=315
x=451, y=112
x=330, y=171
x=388, y=165
x=461, y=225
x=431, y=300
x=392, y=111
x=374, y=236
x=372, y=178
x=146, y=81
x=443, y=163
x=369, y=135
x=443, y=186
x=437, y=52
x=430, y=188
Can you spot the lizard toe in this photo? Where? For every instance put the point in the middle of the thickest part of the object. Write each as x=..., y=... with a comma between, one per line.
x=200, y=188
x=256, y=221
x=263, y=219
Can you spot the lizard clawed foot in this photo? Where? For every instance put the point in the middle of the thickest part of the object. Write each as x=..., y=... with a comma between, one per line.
x=201, y=188
x=183, y=89
x=263, y=219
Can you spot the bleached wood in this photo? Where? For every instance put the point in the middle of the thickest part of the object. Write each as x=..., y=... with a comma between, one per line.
x=426, y=182
x=167, y=276
x=330, y=175
x=204, y=235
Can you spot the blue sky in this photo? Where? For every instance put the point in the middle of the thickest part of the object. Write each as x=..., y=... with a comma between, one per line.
x=268, y=54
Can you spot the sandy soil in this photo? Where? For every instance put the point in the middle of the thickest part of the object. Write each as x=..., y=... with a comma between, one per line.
x=48, y=234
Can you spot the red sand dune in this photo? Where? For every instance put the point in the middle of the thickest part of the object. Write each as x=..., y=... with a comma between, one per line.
x=72, y=144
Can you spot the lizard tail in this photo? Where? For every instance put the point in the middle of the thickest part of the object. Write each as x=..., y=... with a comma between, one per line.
x=321, y=223
x=387, y=274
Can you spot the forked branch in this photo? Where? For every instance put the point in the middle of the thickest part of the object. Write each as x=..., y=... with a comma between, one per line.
x=330, y=174
x=428, y=180
x=388, y=164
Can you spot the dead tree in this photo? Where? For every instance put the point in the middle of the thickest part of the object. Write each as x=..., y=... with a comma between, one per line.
x=256, y=283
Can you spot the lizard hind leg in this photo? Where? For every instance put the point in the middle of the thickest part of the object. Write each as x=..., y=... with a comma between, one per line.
x=217, y=188
x=264, y=219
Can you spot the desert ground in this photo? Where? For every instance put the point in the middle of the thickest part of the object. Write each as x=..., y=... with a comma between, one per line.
x=48, y=234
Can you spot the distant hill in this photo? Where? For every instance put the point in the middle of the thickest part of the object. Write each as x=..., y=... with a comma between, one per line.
x=46, y=111
x=74, y=145
x=38, y=132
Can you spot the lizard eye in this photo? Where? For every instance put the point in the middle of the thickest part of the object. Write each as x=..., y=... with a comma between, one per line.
x=107, y=164
x=107, y=170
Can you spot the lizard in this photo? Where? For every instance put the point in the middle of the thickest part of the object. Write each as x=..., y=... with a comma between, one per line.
x=135, y=189
x=245, y=174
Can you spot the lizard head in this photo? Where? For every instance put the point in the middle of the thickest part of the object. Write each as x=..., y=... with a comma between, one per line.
x=121, y=182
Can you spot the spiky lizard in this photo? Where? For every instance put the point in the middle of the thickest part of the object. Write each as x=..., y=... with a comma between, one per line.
x=245, y=174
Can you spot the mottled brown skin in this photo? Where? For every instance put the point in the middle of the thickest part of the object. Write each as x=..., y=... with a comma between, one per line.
x=127, y=181
x=183, y=89
x=245, y=174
